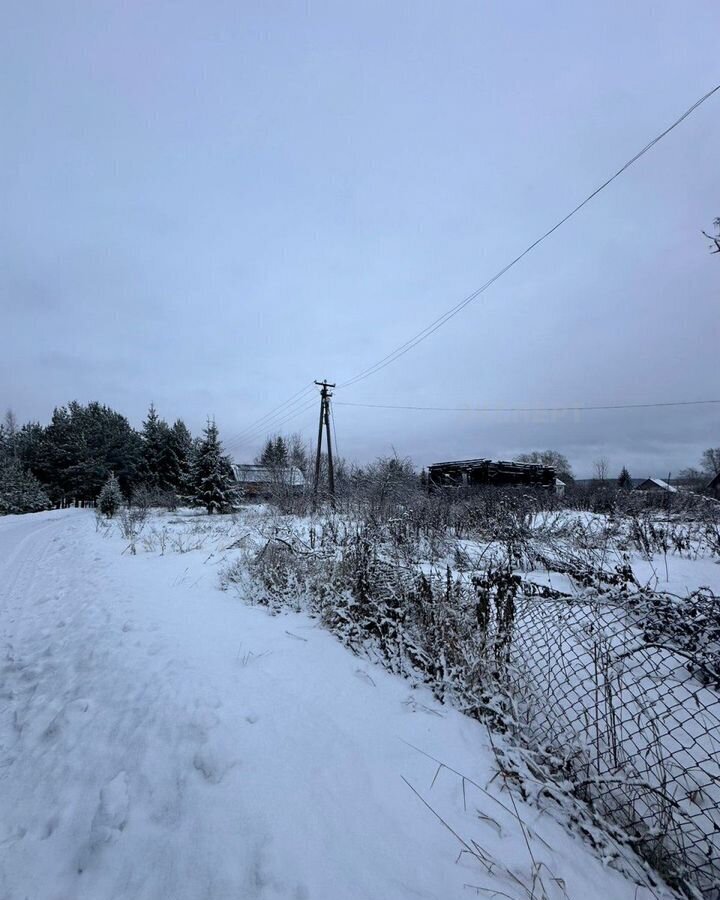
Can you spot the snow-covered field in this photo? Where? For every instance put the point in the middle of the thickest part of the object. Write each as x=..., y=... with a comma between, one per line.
x=160, y=739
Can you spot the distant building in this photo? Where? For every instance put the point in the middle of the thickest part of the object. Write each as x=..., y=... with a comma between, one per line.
x=262, y=481
x=656, y=485
x=485, y=472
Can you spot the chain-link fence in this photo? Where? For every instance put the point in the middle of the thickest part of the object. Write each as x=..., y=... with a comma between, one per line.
x=624, y=693
x=613, y=691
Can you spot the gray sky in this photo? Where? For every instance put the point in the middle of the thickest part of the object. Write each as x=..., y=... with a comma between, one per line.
x=208, y=205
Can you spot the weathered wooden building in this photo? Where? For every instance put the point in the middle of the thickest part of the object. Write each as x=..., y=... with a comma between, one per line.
x=655, y=486
x=263, y=481
x=485, y=472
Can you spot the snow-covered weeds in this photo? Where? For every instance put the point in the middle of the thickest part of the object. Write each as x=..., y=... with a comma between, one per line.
x=607, y=690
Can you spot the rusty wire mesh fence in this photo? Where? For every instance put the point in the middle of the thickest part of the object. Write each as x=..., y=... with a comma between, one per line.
x=628, y=701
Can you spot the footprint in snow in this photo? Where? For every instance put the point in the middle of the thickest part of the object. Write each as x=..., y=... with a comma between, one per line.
x=110, y=816
x=72, y=712
x=49, y=827
x=213, y=761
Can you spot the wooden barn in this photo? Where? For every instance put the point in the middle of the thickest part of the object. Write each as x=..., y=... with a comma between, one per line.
x=655, y=486
x=486, y=473
x=263, y=481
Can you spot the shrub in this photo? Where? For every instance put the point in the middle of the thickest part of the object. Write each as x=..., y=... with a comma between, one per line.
x=111, y=498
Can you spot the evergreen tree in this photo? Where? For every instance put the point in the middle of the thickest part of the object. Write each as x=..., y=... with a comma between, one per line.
x=180, y=458
x=83, y=445
x=157, y=468
x=275, y=453
x=151, y=436
x=20, y=491
x=111, y=498
x=31, y=449
x=213, y=482
x=267, y=456
x=280, y=453
x=624, y=480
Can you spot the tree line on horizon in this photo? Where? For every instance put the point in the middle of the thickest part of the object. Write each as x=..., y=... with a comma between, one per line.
x=88, y=446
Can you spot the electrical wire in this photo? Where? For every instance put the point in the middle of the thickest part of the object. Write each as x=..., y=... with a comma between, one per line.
x=291, y=401
x=491, y=409
x=453, y=311
x=270, y=419
x=332, y=419
x=252, y=438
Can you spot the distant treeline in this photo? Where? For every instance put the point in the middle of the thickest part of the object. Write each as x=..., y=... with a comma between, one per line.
x=69, y=460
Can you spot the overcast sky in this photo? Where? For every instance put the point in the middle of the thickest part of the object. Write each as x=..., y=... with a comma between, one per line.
x=210, y=204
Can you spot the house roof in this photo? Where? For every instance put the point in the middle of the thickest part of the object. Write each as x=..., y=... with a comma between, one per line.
x=459, y=462
x=249, y=473
x=714, y=482
x=658, y=482
x=473, y=463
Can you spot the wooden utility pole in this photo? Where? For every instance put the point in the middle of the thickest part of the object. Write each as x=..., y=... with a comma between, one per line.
x=325, y=395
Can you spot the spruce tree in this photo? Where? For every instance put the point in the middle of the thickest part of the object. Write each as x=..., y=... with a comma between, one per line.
x=280, y=453
x=157, y=453
x=624, y=480
x=214, y=485
x=180, y=459
x=20, y=491
x=267, y=457
x=111, y=498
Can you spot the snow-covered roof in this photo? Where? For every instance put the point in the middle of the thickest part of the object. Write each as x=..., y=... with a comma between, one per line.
x=658, y=482
x=249, y=473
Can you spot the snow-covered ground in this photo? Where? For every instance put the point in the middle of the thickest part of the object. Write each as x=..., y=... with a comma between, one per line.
x=161, y=739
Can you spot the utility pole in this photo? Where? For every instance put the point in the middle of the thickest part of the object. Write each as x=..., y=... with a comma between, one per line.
x=325, y=395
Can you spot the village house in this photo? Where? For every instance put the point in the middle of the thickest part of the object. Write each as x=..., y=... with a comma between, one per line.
x=655, y=486
x=264, y=481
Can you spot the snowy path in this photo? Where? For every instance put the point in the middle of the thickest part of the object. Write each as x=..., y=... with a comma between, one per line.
x=159, y=739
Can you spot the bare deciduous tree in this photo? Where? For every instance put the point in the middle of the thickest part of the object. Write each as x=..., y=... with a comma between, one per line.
x=601, y=468
x=710, y=461
x=714, y=239
x=553, y=458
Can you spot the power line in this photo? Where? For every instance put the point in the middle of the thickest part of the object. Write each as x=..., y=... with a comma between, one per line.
x=274, y=412
x=332, y=417
x=453, y=311
x=273, y=419
x=252, y=437
x=491, y=409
